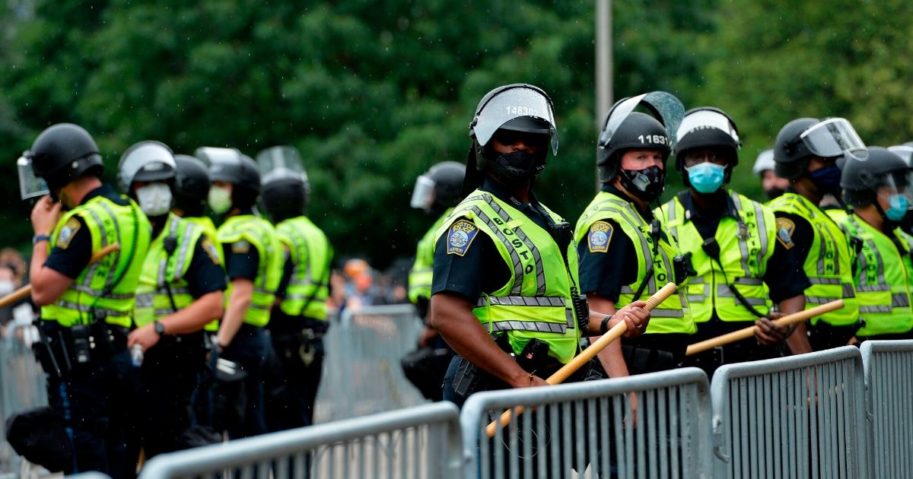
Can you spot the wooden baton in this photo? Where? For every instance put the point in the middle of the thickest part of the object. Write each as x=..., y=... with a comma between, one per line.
x=586, y=355
x=748, y=332
x=26, y=290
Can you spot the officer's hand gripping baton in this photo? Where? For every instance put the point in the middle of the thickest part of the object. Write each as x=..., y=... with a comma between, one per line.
x=586, y=355
x=748, y=332
x=26, y=290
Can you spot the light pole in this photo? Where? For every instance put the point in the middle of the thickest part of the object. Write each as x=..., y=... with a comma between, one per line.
x=603, y=64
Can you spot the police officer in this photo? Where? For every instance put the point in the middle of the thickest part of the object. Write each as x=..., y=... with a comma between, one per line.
x=180, y=290
x=299, y=320
x=253, y=260
x=763, y=168
x=436, y=192
x=86, y=309
x=505, y=274
x=806, y=153
x=879, y=192
x=624, y=253
x=740, y=267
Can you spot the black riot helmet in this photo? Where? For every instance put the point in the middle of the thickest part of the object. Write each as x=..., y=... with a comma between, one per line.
x=804, y=138
x=506, y=110
x=62, y=153
x=232, y=166
x=708, y=128
x=637, y=131
x=146, y=161
x=439, y=188
x=285, y=189
x=191, y=185
x=861, y=180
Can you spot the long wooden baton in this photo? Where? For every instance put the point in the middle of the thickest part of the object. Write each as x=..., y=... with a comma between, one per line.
x=586, y=355
x=748, y=332
x=26, y=290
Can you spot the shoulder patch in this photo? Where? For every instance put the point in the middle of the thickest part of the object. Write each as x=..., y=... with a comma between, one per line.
x=67, y=233
x=211, y=251
x=599, y=237
x=460, y=237
x=785, y=228
x=240, y=247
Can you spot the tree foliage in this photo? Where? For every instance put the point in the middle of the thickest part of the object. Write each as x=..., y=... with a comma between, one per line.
x=374, y=93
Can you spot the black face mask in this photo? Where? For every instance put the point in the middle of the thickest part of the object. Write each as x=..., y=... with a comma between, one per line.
x=827, y=179
x=774, y=193
x=517, y=166
x=646, y=184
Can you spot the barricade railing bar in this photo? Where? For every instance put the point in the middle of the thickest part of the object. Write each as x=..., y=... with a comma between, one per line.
x=795, y=417
x=414, y=443
x=889, y=406
x=589, y=426
x=362, y=373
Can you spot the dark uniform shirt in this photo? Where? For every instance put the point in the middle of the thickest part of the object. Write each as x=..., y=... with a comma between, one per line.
x=604, y=273
x=241, y=258
x=481, y=268
x=205, y=274
x=73, y=250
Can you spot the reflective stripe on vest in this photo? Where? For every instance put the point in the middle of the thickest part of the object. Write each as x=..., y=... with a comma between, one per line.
x=746, y=245
x=527, y=306
x=420, y=276
x=828, y=263
x=106, y=289
x=310, y=253
x=152, y=300
x=671, y=316
x=262, y=236
x=884, y=280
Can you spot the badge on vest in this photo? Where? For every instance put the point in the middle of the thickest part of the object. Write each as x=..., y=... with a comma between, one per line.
x=785, y=228
x=67, y=233
x=211, y=251
x=599, y=237
x=460, y=237
x=240, y=247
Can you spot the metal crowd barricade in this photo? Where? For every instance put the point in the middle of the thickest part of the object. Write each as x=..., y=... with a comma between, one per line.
x=588, y=426
x=889, y=406
x=362, y=373
x=22, y=384
x=795, y=417
x=420, y=442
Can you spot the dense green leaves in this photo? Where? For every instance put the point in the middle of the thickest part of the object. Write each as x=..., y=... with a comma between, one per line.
x=375, y=92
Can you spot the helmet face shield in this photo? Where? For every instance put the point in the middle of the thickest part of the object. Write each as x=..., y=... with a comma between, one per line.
x=903, y=151
x=665, y=107
x=145, y=161
x=834, y=137
x=30, y=185
x=281, y=158
x=423, y=193
x=708, y=119
x=515, y=102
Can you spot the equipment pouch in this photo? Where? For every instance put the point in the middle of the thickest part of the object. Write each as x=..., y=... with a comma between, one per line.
x=466, y=379
x=683, y=269
x=81, y=344
x=534, y=357
x=45, y=356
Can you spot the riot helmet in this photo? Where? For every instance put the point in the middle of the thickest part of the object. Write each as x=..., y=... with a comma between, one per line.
x=885, y=173
x=285, y=189
x=229, y=165
x=507, y=111
x=804, y=138
x=707, y=150
x=637, y=131
x=151, y=163
x=191, y=185
x=904, y=151
x=764, y=162
x=62, y=153
x=440, y=187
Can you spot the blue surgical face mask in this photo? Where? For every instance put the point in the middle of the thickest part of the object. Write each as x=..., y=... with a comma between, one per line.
x=898, y=206
x=706, y=177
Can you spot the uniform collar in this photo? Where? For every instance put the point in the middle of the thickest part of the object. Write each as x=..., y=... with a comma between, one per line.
x=491, y=186
x=609, y=188
x=106, y=191
x=691, y=210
